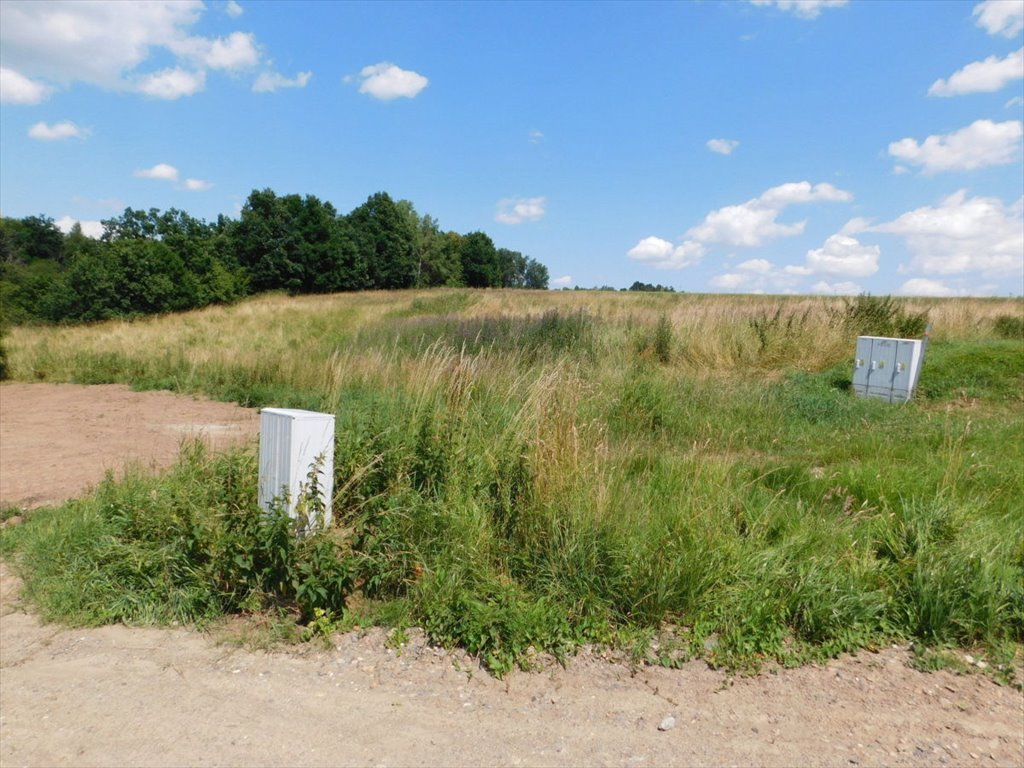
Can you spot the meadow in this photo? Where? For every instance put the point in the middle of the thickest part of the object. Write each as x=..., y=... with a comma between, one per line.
x=675, y=476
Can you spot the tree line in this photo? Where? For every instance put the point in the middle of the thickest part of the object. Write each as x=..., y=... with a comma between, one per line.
x=151, y=261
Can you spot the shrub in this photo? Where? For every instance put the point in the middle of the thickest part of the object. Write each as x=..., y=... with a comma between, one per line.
x=1009, y=327
x=868, y=315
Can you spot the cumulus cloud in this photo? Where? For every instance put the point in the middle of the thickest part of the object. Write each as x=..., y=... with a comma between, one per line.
x=562, y=282
x=963, y=234
x=747, y=224
x=385, y=81
x=517, y=210
x=172, y=84
x=235, y=52
x=843, y=255
x=106, y=43
x=93, y=229
x=233, y=9
x=855, y=225
x=197, y=185
x=753, y=222
x=15, y=88
x=845, y=288
x=923, y=286
x=661, y=254
x=1000, y=17
x=986, y=76
x=804, y=9
x=722, y=146
x=56, y=132
x=161, y=171
x=980, y=144
x=268, y=82
x=760, y=266
x=729, y=280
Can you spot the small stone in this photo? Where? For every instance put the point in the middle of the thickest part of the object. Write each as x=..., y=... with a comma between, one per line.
x=981, y=664
x=667, y=724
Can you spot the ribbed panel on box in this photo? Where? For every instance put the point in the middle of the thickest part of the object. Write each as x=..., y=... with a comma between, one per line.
x=292, y=444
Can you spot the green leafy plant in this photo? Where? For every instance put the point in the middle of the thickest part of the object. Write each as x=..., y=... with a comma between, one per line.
x=321, y=626
x=867, y=315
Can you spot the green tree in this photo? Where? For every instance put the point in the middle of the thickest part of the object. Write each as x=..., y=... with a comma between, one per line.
x=536, y=275
x=512, y=265
x=265, y=243
x=385, y=237
x=480, y=267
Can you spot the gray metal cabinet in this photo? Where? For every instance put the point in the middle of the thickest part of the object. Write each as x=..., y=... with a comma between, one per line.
x=886, y=368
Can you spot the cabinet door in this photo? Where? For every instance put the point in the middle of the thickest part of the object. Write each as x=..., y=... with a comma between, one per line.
x=903, y=374
x=861, y=365
x=881, y=368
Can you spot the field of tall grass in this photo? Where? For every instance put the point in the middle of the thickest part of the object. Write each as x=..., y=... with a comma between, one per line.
x=677, y=475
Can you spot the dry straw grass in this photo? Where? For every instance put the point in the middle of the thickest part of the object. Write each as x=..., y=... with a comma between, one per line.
x=310, y=343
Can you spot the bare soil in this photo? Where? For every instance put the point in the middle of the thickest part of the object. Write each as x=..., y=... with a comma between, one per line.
x=130, y=696
x=57, y=440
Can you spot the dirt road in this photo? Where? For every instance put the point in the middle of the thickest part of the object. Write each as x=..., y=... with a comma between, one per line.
x=129, y=696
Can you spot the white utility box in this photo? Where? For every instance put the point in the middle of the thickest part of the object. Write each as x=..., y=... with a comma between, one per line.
x=292, y=443
x=887, y=368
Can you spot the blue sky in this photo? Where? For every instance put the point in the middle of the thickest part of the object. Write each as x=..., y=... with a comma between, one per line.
x=807, y=146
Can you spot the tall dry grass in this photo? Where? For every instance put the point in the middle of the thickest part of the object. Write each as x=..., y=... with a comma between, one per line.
x=524, y=469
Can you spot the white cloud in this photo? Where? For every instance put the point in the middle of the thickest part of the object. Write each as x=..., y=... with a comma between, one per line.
x=161, y=171
x=235, y=52
x=93, y=229
x=753, y=222
x=747, y=224
x=15, y=88
x=518, y=210
x=233, y=9
x=802, y=192
x=845, y=288
x=661, y=254
x=1016, y=101
x=804, y=9
x=900, y=170
x=106, y=42
x=385, y=81
x=197, y=185
x=980, y=144
x=987, y=76
x=56, y=132
x=172, y=83
x=843, y=255
x=536, y=137
x=855, y=225
x=760, y=266
x=923, y=286
x=652, y=249
x=729, y=280
x=268, y=82
x=562, y=282
x=962, y=234
x=722, y=146
x=1000, y=17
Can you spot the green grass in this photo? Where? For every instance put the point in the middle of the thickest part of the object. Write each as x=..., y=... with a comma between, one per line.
x=546, y=479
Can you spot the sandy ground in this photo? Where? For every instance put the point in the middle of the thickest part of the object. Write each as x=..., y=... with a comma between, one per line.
x=56, y=440
x=129, y=696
